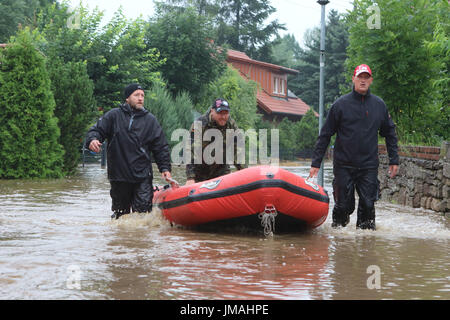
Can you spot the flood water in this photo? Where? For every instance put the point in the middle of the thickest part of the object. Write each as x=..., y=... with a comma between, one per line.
x=57, y=241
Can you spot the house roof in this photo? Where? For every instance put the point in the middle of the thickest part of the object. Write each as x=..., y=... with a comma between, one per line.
x=272, y=104
x=276, y=105
x=241, y=56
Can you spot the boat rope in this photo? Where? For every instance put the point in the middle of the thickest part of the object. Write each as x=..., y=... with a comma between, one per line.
x=268, y=219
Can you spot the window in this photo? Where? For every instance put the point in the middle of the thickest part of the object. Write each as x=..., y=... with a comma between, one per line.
x=279, y=85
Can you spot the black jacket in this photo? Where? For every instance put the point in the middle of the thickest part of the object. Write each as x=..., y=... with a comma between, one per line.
x=132, y=135
x=357, y=119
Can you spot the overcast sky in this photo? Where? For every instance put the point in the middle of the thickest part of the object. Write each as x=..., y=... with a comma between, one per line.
x=297, y=15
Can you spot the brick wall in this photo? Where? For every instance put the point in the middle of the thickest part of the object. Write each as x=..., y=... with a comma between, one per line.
x=417, y=152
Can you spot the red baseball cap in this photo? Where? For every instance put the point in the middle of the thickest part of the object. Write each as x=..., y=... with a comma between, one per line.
x=361, y=69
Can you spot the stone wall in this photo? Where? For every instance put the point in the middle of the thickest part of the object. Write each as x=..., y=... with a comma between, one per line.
x=423, y=180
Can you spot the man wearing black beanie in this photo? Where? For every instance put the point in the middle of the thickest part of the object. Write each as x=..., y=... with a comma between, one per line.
x=133, y=134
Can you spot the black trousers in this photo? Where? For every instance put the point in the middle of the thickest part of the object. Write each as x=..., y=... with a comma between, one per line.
x=365, y=182
x=135, y=197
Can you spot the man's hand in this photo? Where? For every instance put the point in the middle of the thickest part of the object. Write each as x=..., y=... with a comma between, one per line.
x=393, y=170
x=95, y=145
x=313, y=172
x=189, y=182
x=166, y=175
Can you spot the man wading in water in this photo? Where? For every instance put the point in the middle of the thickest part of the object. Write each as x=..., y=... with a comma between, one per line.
x=356, y=119
x=132, y=133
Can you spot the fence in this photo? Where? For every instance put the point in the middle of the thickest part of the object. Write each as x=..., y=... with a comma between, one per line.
x=89, y=156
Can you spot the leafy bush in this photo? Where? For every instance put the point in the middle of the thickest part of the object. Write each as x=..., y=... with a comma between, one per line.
x=298, y=137
x=172, y=113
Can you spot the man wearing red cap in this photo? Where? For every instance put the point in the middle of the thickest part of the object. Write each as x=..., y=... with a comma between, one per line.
x=356, y=118
x=133, y=135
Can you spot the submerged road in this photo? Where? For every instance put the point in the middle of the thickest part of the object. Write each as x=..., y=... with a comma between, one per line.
x=58, y=242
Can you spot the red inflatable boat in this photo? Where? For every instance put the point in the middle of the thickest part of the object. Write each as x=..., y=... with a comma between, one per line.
x=264, y=197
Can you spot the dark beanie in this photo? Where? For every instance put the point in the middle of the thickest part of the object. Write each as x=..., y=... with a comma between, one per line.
x=132, y=88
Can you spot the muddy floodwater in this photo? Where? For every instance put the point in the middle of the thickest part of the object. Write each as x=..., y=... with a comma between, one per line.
x=57, y=241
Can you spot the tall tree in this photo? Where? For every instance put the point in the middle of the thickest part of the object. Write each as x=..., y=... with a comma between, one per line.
x=440, y=50
x=19, y=12
x=73, y=93
x=12, y=14
x=127, y=59
x=286, y=51
x=306, y=83
x=403, y=68
x=242, y=25
x=208, y=8
x=192, y=59
x=29, y=145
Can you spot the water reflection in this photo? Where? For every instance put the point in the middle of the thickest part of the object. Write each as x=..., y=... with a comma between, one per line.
x=46, y=227
x=192, y=265
x=410, y=269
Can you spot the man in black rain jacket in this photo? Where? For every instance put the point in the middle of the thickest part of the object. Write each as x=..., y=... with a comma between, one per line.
x=356, y=118
x=133, y=134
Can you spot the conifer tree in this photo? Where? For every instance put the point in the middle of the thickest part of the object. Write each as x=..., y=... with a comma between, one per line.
x=243, y=25
x=306, y=83
x=29, y=132
x=73, y=93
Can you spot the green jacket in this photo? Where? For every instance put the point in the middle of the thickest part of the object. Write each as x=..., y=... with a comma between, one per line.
x=204, y=171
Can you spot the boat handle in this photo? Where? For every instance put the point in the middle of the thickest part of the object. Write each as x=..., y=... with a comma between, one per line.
x=173, y=183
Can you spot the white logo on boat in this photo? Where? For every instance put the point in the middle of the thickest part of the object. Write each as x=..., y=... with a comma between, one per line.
x=314, y=186
x=211, y=185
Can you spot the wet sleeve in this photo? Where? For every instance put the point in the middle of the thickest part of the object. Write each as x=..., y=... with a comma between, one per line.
x=100, y=130
x=327, y=131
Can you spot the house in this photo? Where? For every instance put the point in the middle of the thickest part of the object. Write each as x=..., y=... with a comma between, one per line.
x=274, y=99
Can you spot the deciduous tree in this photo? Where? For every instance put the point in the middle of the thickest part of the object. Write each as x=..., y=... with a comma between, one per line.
x=403, y=67
x=184, y=39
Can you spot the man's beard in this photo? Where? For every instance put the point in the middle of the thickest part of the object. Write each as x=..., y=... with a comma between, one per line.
x=138, y=107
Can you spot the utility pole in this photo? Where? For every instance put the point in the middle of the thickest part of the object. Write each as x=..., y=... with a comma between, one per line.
x=323, y=3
